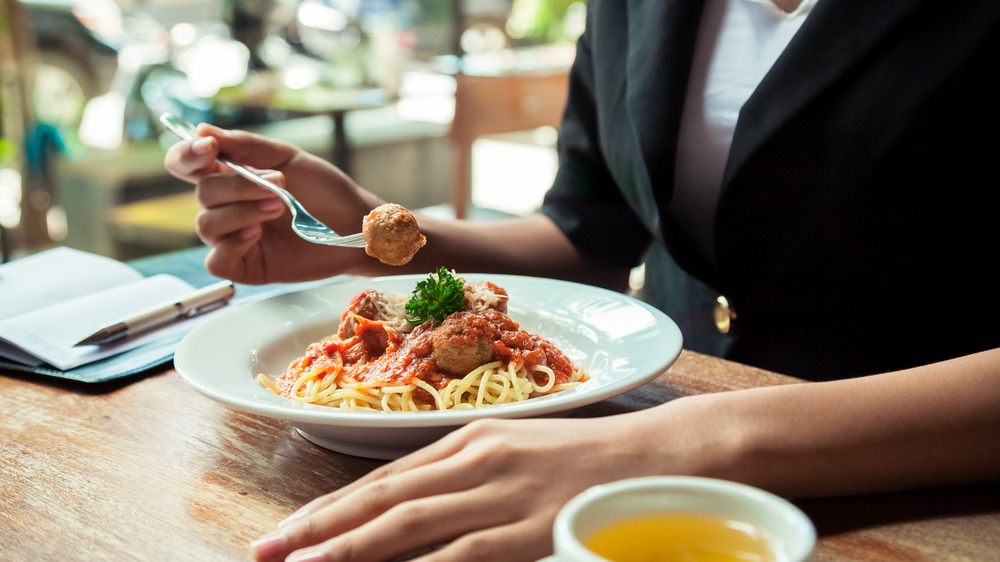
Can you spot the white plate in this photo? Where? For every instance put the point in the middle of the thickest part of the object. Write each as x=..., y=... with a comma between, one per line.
x=620, y=342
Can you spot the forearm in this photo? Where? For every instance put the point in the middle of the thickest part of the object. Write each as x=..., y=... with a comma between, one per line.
x=531, y=245
x=933, y=425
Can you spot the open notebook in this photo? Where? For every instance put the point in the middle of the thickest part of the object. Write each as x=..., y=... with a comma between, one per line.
x=50, y=300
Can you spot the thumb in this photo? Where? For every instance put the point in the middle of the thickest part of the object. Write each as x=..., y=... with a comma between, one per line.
x=191, y=160
x=250, y=149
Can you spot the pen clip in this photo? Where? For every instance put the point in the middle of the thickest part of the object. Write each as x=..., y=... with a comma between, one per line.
x=205, y=308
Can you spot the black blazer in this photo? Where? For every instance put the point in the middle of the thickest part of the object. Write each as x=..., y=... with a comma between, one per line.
x=856, y=229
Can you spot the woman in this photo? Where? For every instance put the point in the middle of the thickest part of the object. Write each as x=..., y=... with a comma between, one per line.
x=819, y=164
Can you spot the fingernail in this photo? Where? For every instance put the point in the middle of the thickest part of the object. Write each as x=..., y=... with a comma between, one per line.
x=269, y=205
x=307, y=555
x=268, y=546
x=202, y=145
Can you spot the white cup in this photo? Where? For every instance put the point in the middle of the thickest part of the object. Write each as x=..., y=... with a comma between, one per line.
x=788, y=530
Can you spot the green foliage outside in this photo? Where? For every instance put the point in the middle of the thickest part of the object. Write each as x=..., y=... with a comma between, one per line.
x=541, y=20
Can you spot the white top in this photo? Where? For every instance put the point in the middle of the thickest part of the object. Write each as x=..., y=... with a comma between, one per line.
x=738, y=42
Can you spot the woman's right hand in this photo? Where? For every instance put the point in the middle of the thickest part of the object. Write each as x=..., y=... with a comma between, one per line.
x=247, y=226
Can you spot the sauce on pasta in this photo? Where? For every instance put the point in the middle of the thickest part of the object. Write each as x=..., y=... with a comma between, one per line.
x=380, y=360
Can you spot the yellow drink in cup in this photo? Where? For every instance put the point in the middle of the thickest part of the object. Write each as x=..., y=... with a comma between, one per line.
x=688, y=537
x=681, y=518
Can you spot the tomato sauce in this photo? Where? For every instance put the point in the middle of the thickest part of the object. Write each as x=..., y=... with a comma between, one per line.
x=379, y=353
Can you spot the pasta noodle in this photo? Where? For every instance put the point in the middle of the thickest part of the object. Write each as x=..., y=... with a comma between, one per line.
x=473, y=358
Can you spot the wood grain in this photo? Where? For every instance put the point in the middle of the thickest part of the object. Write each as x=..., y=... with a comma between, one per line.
x=147, y=469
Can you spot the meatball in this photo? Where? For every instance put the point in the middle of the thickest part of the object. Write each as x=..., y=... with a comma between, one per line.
x=364, y=304
x=463, y=342
x=391, y=234
x=372, y=335
x=386, y=308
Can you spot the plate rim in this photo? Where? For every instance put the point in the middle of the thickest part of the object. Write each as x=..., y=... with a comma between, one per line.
x=294, y=412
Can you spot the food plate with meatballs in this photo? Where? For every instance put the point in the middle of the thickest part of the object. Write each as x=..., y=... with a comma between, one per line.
x=406, y=366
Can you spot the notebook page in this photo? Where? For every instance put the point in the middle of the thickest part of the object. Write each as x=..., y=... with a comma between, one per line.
x=57, y=275
x=50, y=333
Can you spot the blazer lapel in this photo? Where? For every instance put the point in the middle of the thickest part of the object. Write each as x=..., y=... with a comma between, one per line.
x=836, y=35
x=661, y=42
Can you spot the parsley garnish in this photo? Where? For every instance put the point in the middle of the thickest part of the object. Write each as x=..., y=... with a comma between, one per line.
x=436, y=297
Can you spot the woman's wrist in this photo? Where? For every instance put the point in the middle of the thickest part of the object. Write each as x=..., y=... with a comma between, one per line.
x=692, y=436
x=906, y=429
x=735, y=435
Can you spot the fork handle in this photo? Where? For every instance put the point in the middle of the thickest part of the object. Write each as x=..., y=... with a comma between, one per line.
x=256, y=178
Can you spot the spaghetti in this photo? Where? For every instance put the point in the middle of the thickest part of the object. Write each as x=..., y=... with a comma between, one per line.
x=379, y=360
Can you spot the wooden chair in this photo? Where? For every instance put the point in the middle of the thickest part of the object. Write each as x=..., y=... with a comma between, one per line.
x=490, y=105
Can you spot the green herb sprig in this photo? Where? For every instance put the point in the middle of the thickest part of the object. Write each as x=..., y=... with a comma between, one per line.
x=436, y=297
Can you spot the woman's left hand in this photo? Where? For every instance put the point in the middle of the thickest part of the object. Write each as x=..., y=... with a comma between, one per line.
x=488, y=491
x=491, y=490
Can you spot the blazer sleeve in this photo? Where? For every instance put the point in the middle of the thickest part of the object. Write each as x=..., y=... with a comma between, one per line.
x=585, y=202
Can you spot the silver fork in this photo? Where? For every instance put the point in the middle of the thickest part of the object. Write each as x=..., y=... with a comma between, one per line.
x=304, y=224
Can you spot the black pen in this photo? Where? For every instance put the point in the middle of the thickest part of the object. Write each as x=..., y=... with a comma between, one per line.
x=200, y=301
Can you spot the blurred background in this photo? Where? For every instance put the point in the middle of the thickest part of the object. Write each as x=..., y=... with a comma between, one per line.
x=448, y=106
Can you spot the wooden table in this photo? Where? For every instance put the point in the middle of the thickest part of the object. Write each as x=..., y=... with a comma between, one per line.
x=147, y=469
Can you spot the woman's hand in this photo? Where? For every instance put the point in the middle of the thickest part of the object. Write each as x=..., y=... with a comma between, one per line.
x=490, y=491
x=247, y=227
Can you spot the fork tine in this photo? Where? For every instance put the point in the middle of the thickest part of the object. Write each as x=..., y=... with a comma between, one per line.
x=332, y=239
x=351, y=241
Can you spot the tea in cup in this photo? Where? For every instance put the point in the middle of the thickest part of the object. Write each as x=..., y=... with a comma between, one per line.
x=667, y=518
